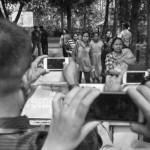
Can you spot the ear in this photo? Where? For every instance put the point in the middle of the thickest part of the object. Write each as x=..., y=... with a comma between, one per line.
x=26, y=80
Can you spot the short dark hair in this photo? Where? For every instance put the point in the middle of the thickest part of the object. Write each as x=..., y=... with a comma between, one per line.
x=86, y=32
x=126, y=25
x=41, y=27
x=15, y=55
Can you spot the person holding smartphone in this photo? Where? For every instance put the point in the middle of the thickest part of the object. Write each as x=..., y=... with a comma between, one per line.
x=83, y=56
x=119, y=58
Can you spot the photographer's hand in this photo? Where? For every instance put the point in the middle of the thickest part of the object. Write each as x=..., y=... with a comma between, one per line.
x=113, y=83
x=141, y=97
x=68, y=128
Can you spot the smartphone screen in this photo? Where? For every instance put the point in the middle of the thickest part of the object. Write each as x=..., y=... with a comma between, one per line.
x=113, y=107
x=135, y=77
x=55, y=63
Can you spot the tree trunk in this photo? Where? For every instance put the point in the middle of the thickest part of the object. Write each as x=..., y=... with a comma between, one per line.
x=84, y=20
x=62, y=20
x=134, y=24
x=19, y=12
x=148, y=36
x=106, y=18
x=69, y=18
x=115, y=20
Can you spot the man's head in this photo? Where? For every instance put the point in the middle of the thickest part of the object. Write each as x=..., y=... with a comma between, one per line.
x=125, y=25
x=41, y=27
x=15, y=56
x=35, y=27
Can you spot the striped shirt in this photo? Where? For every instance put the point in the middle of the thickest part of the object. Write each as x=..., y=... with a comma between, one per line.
x=70, y=45
x=22, y=138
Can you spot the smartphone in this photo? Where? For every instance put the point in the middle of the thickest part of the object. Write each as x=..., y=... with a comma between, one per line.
x=114, y=106
x=134, y=77
x=54, y=63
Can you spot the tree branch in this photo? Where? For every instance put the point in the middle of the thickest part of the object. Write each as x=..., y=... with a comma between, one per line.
x=19, y=12
x=4, y=8
x=1, y=14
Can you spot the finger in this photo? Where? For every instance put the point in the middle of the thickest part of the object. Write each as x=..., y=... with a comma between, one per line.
x=70, y=59
x=86, y=102
x=145, y=91
x=140, y=101
x=82, y=93
x=40, y=58
x=121, y=75
x=140, y=129
x=87, y=128
x=148, y=84
x=57, y=103
x=69, y=97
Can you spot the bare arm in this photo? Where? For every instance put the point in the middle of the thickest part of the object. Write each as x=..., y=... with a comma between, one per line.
x=113, y=72
x=130, y=61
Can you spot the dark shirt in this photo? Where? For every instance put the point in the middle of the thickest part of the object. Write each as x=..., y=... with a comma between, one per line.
x=36, y=36
x=44, y=36
x=103, y=57
x=23, y=138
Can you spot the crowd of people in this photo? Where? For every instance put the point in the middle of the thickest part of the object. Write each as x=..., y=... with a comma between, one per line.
x=69, y=128
x=99, y=57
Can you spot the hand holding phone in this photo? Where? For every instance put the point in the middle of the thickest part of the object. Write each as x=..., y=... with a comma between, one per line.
x=134, y=77
x=114, y=106
x=55, y=64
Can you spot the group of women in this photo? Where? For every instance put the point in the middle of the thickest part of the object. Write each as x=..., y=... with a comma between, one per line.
x=97, y=58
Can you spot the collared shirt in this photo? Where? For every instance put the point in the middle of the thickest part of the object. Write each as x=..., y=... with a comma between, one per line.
x=126, y=36
x=22, y=138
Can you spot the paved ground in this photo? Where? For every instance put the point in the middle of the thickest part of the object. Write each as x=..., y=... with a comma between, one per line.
x=54, y=49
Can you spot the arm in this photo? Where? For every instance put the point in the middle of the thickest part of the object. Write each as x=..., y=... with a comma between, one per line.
x=75, y=51
x=61, y=41
x=91, y=56
x=129, y=58
x=113, y=72
x=130, y=61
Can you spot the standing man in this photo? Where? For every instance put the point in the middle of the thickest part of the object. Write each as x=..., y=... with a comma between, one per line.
x=126, y=35
x=36, y=37
x=44, y=41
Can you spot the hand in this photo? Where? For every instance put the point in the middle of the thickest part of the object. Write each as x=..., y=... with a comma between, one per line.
x=37, y=68
x=141, y=97
x=71, y=73
x=113, y=83
x=67, y=128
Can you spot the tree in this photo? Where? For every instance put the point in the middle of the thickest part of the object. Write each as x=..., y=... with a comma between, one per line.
x=148, y=36
x=106, y=17
x=68, y=5
x=134, y=23
x=5, y=10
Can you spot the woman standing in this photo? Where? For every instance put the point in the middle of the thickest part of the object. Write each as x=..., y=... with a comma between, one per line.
x=82, y=55
x=97, y=46
x=71, y=44
x=119, y=58
x=105, y=51
x=62, y=42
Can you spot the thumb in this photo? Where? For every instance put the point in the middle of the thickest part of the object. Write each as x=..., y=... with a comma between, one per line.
x=87, y=128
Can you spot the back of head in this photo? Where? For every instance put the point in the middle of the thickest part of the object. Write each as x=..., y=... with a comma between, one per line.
x=126, y=25
x=41, y=27
x=15, y=56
